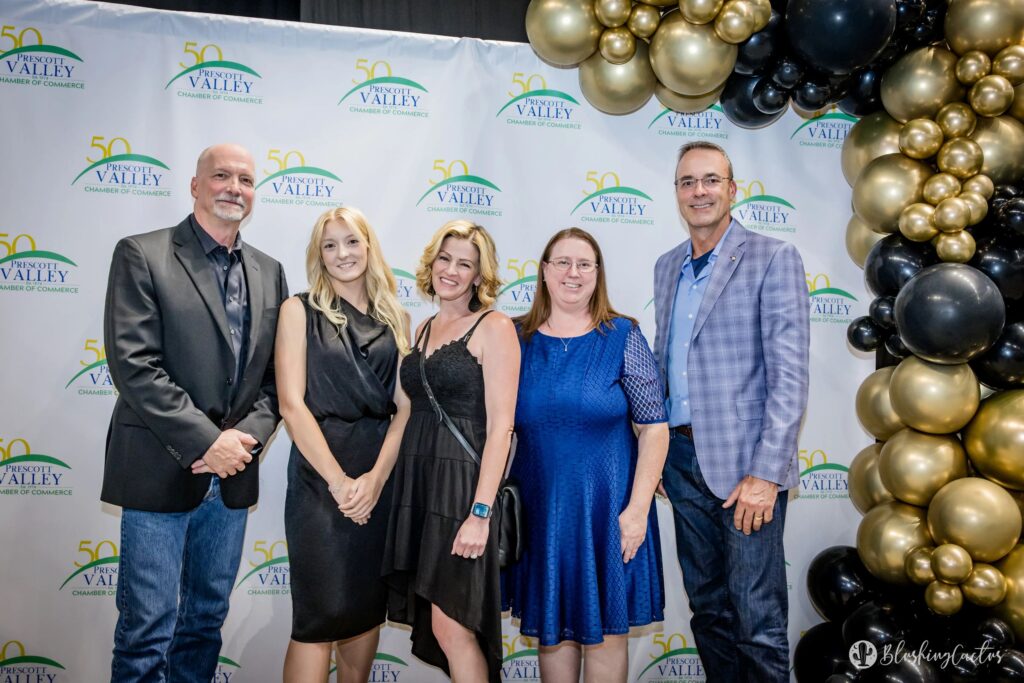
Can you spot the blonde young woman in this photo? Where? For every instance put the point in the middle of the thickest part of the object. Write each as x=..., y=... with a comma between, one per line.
x=441, y=559
x=337, y=359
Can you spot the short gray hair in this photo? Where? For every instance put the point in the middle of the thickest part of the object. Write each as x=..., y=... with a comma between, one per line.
x=703, y=144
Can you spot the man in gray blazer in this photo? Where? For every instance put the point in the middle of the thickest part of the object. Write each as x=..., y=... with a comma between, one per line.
x=189, y=325
x=732, y=344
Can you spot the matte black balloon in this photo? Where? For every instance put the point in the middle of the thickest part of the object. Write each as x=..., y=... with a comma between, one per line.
x=837, y=580
x=864, y=334
x=738, y=103
x=1000, y=255
x=1009, y=667
x=770, y=98
x=863, y=93
x=881, y=311
x=949, y=313
x=810, y=95
x=893, y=261
x=787, y=72
x=879, y=623
x=1010, y=215
x=818, y=652
x=839, y=36
x=759, y=51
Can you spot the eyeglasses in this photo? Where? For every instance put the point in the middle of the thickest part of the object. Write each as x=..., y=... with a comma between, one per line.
x=710, y=182
x=582, y=267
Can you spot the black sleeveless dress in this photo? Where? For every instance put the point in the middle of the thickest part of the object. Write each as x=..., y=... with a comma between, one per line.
x=350, y=379
x=435, y=484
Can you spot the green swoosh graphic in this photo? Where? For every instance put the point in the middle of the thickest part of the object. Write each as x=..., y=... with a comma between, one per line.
x=276, y=560
x=521, y=653
x=219, y=64
x=671, y=653
x=767, y=198
x=520, y=281
x=29, y=659
x=403, y=273
x=95, y=563
x=825, y=466
x=397, y=80
x=53, y=49
x=35, y=457
x=384, y=657
x=825, y=117
x=666, y=110
x=609, y=190
x=225, y=660
x=833, y=290
x=309, y=170
x=718, y=108
x=461, y=179
x=538, y=93
x=52, y=255
x=84, y=370
x=123, y=157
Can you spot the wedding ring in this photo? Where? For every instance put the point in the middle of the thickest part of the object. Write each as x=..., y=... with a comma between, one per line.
x=473, y=557
x=758, y=516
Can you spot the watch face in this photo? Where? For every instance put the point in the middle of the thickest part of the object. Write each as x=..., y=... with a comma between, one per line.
x=481, y=510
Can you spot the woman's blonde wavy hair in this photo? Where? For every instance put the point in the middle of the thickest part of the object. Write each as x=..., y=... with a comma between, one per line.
x=490, y=284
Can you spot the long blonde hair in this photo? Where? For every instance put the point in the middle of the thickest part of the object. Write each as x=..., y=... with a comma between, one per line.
x=485, y=294
x=381, y=287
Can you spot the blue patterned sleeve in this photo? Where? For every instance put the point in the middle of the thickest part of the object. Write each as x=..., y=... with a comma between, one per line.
x=640, y=381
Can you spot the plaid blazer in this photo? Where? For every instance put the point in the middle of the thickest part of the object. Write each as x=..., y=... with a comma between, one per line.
x=747, y=364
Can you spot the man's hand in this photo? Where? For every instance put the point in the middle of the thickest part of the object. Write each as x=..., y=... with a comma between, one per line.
x=755, y=502
x=226, y=456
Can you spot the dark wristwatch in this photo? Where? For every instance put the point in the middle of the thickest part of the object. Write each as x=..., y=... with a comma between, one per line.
x=481, y=510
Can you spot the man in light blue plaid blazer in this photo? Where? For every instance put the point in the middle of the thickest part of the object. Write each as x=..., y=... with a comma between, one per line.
x=732, y=344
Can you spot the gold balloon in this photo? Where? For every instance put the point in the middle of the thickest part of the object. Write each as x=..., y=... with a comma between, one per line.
x=643, y=21
x=914, y=465
x=1011, y=609
x=618, y=45
x=762, y=13
x=873, y=136
x=689, y=59
x=735, y=22
x=866, y=487
x=976, y=203
x=684, y=104
x=613, y=13
x=956, y=119
x=859, y=239
x=976, y=514
x=942, y=598
x=618, y=88
x=933, y=398
x=951, y=214
x=886, y=534
x=991, y=96
x=986, y=25
x=951, y=563
x=916, y=222
x=955, y=247
x=972, y=66
x=886, y=186
x=984, y=586
x=1017, y=107
x=661, y=3
x=920, y=138
x=874, y=408
x=920, y=83
x=700, y=11
x=918, y=566
x=995, y=439
x=1009, y=64
x=1002, y=144
x=563, y=32
x=941, y=186
x=980, y=184
x=961, y=157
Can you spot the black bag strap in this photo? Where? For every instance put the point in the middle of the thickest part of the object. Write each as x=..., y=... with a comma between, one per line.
x=442, y=416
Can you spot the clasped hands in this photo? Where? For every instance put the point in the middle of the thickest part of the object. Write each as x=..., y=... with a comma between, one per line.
x=357, y=497
x=226, y=456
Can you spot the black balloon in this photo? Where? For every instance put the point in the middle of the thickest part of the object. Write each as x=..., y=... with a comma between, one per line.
x=879, y=623
x=995, y=633
x=838, y=582
x=949, y=313
x=818, y=652
x=737, y=102
x=906, y=670
x=1001, y=194
x=779, y=5
x=863, y=93
x=1009, y=666
x=1002, y=365
x=787, y=72
x=908, y=14
x=864, y=334
x=1010, y=214
x=757, y=52
x=770, y=98
x=810, y=95
x=839, y=36
x=893, y=261
x=1000, y=255
x=895, y=347
x=881, y=311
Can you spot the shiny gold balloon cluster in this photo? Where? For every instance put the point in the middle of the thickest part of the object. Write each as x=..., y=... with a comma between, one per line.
x=681, y=51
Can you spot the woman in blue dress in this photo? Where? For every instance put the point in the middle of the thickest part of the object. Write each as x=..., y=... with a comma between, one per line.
x=591, y=569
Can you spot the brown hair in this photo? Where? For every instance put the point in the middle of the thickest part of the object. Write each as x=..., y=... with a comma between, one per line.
x=487, y=293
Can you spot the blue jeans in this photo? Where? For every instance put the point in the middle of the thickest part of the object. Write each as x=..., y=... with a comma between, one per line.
x=736, y=584
x=175, y=575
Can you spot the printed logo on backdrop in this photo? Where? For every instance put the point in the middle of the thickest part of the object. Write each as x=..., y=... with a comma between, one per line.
x=216, y=79
x=408, y=295
x=455, y=190
x=537, y=105
x=829, y=305
x=17, y=666
x=299, y=184
x=607, y=200
x=763, y=212
x=519, y=660
x=516, y=297
x=821, y=479
x=25, y=473
x=93, y=377
x=96, y=574
x=705, y=125
x=379, y=92
x=269, y=574
x=226, y=670
x=673, y=661
x=385, y=669
x=118, y=171
x=26, y=268
x=27, y=60
x=826, y=131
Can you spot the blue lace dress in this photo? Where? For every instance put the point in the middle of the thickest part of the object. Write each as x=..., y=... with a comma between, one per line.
x=575, y=465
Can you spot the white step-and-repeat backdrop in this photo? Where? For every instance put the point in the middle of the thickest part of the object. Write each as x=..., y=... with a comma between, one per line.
x=104, y=111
